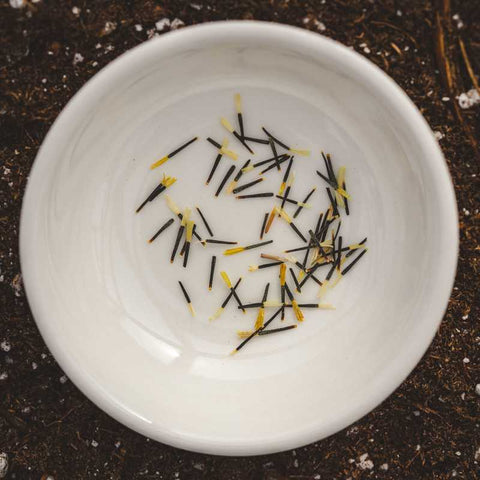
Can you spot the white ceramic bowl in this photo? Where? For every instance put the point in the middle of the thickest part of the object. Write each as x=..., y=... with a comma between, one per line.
x=108, y=304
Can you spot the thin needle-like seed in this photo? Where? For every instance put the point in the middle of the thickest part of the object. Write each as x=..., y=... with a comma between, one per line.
x=292, y=201
x=187, y=298
x=220, y=242
x=347, y=208
x=227, y=281
x=177, y=242
x=212, y=271
x=277, y=330
x=172, y=154
x=253, y=268
x=285, y=177
x=238, y=106
x=295, y=281
x=274, y=151
x=189, y=232
x=267, y=323
x=256, y=140
x=229, y=127
x=307, y=198
x=204, y=220
x=247, y=185
x=282, y=157
x=233, y=251
x=274, y=164
x=225, y=179
x=276, y=140
x=255, y=195
x=333, y=202
x=264, y=223
x=349, y=254
x=353, y=262
x=225, y=302
x=237, y=177
x=161, y=229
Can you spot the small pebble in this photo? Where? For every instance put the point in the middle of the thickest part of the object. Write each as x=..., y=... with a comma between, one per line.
x=94, y=443
x=5, y=346
x=466, y=360
x=138, y=27
x=477, y=389
x=3, y=376
x=76, y=11
x=34, y=366
x=384, y=466
x=458, y=454
x=416, y=413
x=63, y=379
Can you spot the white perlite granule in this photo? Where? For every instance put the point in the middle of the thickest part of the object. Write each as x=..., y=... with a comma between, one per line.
x=468, y=99
x=78, y=58
x=162, y=24
x=17, y=3
x=3, y=462
x=364, y=463
x=109, y=28
x=176, y=23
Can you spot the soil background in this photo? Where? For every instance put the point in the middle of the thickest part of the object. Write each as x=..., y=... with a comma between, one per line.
x=427, y=429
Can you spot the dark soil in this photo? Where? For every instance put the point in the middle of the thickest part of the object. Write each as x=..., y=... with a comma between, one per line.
x=428, y=429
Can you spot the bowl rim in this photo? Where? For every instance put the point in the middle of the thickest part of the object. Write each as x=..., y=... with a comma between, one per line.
x=387, y=89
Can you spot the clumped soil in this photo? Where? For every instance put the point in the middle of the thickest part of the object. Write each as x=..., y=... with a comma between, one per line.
x=428, y=429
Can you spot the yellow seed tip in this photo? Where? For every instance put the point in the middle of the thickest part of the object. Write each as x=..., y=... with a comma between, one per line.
x=233, y=251
x=226, y=124
x=303, y=153
x=238, y=102
x=226, y=279
x=158, y=163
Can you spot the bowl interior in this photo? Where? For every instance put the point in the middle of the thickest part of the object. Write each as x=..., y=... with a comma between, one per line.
x=108, y=303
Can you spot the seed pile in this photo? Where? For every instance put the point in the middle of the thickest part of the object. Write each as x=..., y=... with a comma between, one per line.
x=323, y=246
